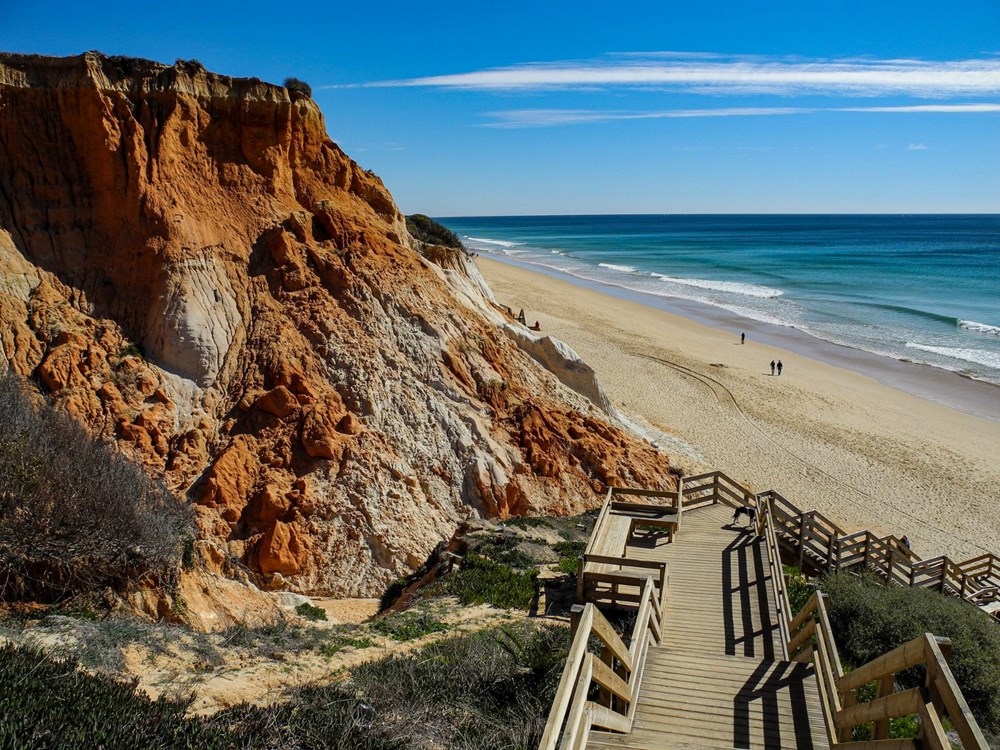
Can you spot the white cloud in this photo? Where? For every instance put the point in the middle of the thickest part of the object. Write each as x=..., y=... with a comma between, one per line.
x=709, y=73
x=916, y=147
x=528, y=118
x=536, y=118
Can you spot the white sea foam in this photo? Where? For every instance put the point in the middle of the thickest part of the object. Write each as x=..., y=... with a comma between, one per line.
x=734, y=287
x=615, y=267
x=498, y=243
x=971, y=325
x=975, y=356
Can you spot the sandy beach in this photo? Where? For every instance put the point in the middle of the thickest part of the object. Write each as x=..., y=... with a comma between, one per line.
x=826, y=437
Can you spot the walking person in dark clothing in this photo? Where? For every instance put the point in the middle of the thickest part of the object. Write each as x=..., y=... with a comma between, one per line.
x=743, y=338
x=779, y=366
x=772, y=367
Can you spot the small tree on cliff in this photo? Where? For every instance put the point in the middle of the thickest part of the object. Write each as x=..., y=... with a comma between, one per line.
x=299, y=86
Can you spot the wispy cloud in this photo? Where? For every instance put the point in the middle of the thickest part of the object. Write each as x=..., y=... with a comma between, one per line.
x=540, y=118
x=524, y=118
x=710, y=73
x=916, y=147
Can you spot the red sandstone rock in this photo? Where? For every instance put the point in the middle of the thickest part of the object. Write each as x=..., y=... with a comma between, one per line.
x=279, y=401
x=211, y=223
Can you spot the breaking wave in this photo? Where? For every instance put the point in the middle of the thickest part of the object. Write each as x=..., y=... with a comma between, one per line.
x=734, y=287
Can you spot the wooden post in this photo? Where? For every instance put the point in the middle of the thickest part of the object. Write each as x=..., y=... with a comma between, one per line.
x=603, y=694
x=575, y=613
x=889, y=563
x=886, y=686
x=849, y=700
x=581, y=567
x=829, y=552
x=802, y=540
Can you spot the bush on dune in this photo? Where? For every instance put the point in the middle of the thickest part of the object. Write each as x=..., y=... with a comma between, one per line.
x=425, y=229
x=75, y=515
x=869, y=620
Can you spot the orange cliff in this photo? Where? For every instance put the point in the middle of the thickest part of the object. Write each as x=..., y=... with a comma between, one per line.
x=189, y=264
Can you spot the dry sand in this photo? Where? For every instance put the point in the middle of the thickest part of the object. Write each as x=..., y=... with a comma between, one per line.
x=827, y=438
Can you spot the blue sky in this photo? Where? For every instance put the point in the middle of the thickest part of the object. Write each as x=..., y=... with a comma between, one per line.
x=597, y=107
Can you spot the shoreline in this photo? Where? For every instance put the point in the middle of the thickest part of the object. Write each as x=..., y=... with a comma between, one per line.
x=827, y=436
x=950, y=388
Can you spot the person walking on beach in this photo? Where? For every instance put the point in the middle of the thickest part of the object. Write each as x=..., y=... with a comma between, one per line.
x=743, y=338
x=779, y=366
x=772, y=367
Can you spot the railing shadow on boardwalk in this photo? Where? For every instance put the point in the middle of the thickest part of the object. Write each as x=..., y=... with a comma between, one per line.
x=746, y=555
x=790, y=678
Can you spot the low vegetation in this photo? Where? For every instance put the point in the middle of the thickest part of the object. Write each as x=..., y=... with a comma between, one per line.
x=490, y=689
x=425, y=229
x=481, y=580
x=75, y=515
x=869, y=620
x=298, y=86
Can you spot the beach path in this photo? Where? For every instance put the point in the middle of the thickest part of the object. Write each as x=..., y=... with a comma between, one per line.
x=718, y=679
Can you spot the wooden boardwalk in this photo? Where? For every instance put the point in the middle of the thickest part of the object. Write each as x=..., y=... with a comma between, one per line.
x=718, y=679
x=716, y=659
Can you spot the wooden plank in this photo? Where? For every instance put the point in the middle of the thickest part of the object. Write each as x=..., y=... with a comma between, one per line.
x=932, y=734
x=907, y=655
x=577, y=725
x=571, y=670
x=958, y=709
x=878, y=745
x=889, y=706
x=607, y=679
x=603, y=630
x=606, y=718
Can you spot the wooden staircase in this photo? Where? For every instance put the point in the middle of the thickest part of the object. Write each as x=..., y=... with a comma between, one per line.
x=715, y=658
x=719, y=679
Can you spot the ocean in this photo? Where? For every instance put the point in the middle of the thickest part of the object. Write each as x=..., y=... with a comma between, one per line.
x=917, y=288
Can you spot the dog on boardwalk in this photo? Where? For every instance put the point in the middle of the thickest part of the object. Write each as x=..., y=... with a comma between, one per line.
x=750, y=513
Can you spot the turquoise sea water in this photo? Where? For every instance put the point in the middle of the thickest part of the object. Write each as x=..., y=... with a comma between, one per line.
x=919, y=288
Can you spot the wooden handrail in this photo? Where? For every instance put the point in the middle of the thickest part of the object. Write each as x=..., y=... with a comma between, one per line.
x=812, y=640
x=617, y=672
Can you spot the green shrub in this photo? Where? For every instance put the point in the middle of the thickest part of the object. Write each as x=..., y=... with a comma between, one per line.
x=311, y=613
x=569, y=554
x=409, y=625
x=501, y=548
x=298, y=86
x=425, y=229
x=868, y=620
x=484, y=581
x=75, y=515
x=489, y=690
x=800, y=590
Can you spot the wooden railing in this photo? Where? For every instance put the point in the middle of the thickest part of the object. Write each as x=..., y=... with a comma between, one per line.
x=765, y=528
x=822, y=546
x=812, y=641
x=622, y=587
x=616, y=673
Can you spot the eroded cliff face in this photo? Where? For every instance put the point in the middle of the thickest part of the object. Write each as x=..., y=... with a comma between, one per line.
x=189, y=264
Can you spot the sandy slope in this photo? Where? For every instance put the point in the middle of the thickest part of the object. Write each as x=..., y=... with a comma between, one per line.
x=826, y=438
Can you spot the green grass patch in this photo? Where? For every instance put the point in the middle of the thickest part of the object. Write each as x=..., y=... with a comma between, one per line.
x=311, y=613
x=484, y=581
x=569, y=554
x=409, y=625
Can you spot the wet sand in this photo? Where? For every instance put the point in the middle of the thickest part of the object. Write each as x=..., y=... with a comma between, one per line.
x=826, y=436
